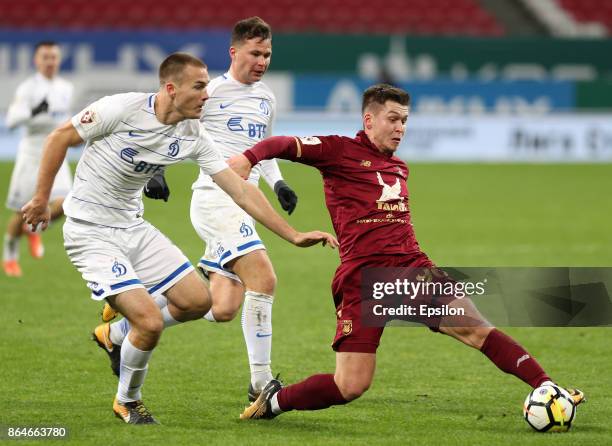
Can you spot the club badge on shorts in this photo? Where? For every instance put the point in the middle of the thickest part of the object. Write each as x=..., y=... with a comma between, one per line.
x=347, y=326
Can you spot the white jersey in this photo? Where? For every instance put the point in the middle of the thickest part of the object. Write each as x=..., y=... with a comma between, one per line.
x=237, y=116
x=126, y=146
x=30, y=93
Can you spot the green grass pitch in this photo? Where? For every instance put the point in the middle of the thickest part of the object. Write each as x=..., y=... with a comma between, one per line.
x=428, y=388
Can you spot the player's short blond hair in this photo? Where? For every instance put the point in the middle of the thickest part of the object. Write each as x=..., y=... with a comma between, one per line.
x=171, y=69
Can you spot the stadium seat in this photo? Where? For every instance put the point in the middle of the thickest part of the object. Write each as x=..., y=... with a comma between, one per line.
x=588, y=11
x=333, y=16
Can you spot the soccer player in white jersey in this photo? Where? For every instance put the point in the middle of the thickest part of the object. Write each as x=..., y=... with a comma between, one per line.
x=238, y=113
x=123, y=258
x=41, y=102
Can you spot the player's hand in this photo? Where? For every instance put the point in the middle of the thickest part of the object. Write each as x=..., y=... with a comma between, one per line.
x=43, y=107
x=36, y=213
x=157, y=188
x=241, y=165
x=286, y=197
x=306, y=239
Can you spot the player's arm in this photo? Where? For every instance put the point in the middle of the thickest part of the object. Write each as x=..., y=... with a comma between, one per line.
x=36, y=211
x=314, y=151
x=252, y=200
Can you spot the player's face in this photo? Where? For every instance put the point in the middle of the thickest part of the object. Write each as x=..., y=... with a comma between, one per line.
x=190, y=92
x=47, y=60
x=385, y=125
x=250, y=59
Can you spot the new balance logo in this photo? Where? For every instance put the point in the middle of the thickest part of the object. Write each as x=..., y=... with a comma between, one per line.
x=521, y=359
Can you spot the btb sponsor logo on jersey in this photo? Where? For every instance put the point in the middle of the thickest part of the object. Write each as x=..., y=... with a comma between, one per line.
x=234, y=124
x=253, y=129
x=128, y=154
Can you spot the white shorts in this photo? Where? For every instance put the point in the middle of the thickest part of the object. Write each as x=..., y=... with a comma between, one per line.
x=25, y=175
x=114, y=260
x=228, y=231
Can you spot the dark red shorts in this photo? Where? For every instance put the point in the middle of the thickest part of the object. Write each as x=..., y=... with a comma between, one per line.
x=351, y=334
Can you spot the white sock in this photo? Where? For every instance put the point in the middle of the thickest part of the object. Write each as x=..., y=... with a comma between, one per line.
x=10, y=249
x=161, y=301
x=210, y=317
x=120, y=329
x=133, y=370
x=274, y=404
x=257, y=331
x=169, y=321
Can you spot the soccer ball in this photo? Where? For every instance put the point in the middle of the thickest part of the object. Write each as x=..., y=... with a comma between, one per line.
x=549, y=408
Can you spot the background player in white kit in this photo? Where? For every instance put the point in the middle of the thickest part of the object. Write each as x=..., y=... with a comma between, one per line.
x=238, y=113
x=123, y=258
x=41, y=102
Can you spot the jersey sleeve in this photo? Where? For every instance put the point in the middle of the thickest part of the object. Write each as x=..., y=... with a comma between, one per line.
x=271, y=172
x=99, y=118
x=208, y=156
x=20, y=110
x=319, y=151
x=271, y=122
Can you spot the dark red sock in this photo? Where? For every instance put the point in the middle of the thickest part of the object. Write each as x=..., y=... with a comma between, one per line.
x=510, y=357
x=315, y=392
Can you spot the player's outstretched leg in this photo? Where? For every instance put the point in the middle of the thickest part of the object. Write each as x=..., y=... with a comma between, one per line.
x=136, y=351
x=257, y=274
x=354, y=374
x=508, y=355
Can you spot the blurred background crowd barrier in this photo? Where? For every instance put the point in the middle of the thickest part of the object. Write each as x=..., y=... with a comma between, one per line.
x=509, y=80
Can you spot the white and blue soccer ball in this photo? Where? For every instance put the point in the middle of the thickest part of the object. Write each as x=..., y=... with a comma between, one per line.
x=549, y=408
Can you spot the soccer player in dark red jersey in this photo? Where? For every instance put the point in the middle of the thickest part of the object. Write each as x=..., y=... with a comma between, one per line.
x=367, y=198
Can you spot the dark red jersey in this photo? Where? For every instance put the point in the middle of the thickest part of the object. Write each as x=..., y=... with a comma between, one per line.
x=365, y=190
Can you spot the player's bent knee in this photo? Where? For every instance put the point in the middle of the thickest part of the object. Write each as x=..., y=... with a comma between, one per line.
x=269, y=282
x=264, y=283
x=225, y=314
x=150, y=326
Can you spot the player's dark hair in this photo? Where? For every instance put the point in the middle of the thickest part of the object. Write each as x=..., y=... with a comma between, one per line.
x=381, y=93
x=251, y=28
x=45, y=43
x=172, y=67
